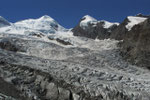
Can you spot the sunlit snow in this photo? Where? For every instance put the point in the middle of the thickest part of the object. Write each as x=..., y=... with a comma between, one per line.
x=133, y=21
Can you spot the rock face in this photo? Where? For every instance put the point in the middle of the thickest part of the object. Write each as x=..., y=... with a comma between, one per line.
x=120, y=32
x=91, y=28
x=136, y=44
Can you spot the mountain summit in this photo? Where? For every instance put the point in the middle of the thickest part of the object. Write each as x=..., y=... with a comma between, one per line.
x=92, y=28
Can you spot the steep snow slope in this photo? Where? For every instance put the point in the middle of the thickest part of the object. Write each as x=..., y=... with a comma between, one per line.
x=134, y=21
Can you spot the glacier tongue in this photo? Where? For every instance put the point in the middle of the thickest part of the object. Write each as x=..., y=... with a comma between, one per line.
x=92, y=69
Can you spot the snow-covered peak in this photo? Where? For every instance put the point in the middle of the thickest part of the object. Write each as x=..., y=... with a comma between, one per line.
x=44, y=24
x=86, y=20
x=108, y=24
x=134, y=21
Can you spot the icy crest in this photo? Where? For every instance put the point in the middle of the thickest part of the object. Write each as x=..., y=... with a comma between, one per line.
x=134, y=21
x=86, y=20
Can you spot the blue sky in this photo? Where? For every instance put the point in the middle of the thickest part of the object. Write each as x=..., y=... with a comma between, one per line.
x=69, y=12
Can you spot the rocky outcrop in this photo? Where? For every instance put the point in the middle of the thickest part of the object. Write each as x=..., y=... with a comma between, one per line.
x=136, y=44
x=63, y=41
x=11, y=45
